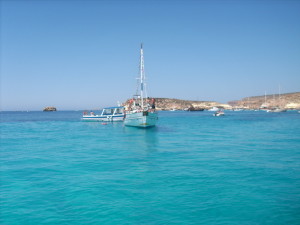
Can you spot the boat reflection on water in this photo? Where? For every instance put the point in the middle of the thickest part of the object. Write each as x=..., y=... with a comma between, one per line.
x=144, y=139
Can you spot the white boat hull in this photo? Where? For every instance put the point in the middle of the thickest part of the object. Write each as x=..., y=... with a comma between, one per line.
x=214, y=109
x=97, y=118
x=141, y=119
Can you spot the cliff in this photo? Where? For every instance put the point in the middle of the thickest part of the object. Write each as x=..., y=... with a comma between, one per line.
x=287, y=101
x=49, y=109
x=178, y=104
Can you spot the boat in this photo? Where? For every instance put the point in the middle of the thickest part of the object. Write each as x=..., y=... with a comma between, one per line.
x=265, y=105
x=280, y=108
x=213, y=109
x=141, y=110
x=276, y=110
x=237, y=109
x=194, y=109
x=109, y=114
x=219, y=113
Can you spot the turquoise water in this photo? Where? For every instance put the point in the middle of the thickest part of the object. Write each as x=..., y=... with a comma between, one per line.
x=193, y=168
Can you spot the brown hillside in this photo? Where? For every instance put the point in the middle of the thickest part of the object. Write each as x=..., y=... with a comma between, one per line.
x=288, y=101
x=178, y=104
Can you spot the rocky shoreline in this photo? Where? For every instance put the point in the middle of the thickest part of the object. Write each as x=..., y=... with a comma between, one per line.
x=283, y=101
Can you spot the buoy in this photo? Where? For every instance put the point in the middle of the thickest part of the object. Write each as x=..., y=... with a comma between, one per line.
x=104, y=123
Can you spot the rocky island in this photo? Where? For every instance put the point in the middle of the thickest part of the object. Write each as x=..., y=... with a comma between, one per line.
x=49, y=109
x=178, y=104
x=285, y=101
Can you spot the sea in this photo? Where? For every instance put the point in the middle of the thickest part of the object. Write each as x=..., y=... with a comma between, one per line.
x=192, y=168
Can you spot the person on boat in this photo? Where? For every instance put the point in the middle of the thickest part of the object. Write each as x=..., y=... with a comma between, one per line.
x=153, y=104
x=148, y=103
x=138, y=107
x=130, y=104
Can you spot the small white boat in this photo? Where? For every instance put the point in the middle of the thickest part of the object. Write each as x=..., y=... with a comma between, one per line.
x=276, y=110
x=280, y=110
x=141, y=112
x=213, y=109
x=109, y=114
x=219, y=113
x=238, y=109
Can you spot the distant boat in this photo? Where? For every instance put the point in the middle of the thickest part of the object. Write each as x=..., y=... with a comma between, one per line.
x=276, y=110
x=280, y=108
x=194, y=109
x=141, y=111
x=219, y=113
x=238, y=109
x=109, y=114
x=213, y=109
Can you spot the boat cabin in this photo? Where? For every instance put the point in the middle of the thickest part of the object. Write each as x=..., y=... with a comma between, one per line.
x=107, y=114
x=112, y=111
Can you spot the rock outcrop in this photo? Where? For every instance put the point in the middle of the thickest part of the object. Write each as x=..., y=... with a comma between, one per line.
x=178, y=104
x=49, y=109
x=287, y=101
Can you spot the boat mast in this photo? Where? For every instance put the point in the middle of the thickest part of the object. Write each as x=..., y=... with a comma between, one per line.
x=279, y=96
x=142, y=76
x=265, y=98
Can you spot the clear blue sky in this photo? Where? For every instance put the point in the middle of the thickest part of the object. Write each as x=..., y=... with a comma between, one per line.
x=84, y=54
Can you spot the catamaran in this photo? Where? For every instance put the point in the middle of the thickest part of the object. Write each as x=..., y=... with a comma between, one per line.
x=141, y=110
